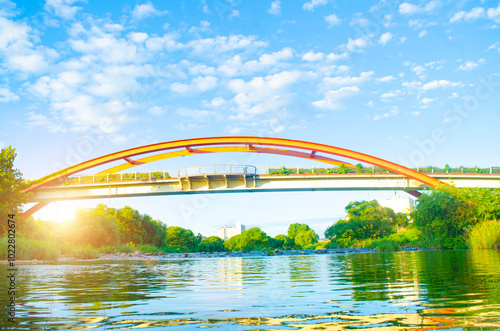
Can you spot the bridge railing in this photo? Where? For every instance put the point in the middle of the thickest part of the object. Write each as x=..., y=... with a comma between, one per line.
x=269, y=170
x=217, y=169
x=428, y=169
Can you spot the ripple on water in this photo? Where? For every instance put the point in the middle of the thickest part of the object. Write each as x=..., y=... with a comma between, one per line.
x=451, y=290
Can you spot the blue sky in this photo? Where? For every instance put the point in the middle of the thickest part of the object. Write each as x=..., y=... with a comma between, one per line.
x=413, y=82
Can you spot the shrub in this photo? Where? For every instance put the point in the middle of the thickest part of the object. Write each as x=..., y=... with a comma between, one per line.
x=485, y=235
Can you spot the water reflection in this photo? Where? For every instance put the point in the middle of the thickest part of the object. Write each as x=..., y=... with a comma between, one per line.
x=384, y=291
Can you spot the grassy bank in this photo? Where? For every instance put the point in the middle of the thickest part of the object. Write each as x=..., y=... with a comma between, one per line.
x=33, y=249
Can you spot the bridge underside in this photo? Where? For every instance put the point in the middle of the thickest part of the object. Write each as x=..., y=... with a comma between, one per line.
x=234, y=183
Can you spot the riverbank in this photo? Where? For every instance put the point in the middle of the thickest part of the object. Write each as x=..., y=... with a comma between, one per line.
x=204, y=255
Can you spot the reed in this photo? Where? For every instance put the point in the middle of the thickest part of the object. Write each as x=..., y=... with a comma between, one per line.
x=485, y=235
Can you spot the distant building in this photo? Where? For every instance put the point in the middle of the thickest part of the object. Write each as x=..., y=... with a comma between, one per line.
x=227, y=232
x=399, y=205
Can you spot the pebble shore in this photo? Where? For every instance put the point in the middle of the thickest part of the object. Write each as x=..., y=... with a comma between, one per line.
x=197, y=255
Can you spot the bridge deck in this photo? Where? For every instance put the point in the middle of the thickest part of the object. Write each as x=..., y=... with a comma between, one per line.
x=233, y=183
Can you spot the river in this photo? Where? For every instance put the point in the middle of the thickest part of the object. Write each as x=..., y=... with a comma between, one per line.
x=422, y=290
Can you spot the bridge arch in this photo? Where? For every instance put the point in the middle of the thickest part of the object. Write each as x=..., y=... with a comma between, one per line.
x=248, y=144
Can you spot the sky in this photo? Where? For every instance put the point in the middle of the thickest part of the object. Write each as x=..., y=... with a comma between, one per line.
x=414, y=82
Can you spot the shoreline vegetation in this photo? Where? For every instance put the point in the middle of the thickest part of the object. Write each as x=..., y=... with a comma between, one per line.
x=444, y=218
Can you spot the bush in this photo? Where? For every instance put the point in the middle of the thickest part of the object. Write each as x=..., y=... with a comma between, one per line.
x=485, y=235
x=211, y=244
x=383, y=245
x=31, y=249
x=83, y=252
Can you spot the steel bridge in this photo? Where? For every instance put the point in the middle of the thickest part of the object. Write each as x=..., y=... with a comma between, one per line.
x=62, y=186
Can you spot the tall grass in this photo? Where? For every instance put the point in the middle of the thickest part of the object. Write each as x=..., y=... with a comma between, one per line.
x=31, y=249
x=485, y=235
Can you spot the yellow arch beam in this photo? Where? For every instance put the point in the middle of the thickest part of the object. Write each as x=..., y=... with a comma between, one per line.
x=233, y=149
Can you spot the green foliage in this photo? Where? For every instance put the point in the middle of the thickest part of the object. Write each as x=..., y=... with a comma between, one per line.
x=384, y=245
x=343, y=169
x=306, y=239
x=11, y=184
x=284, y=242
x=485, y=235
x=249, y=240
x=365, y=220
x=83, y=252
x=211, y=244
x=180, y=238
x=302, y=235
x=447, y=214
x=359, y=168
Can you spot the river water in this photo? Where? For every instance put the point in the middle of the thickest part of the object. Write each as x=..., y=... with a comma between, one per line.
x=425, y=290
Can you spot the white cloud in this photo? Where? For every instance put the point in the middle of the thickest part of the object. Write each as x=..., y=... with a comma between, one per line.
x=333, y=99
x=223, y=44
x=18, y=49
x=6, y=95
x=62, y=8
x=204, y=27
x=355, y=44
x=469, y=16
x=138, y=37
x=427, y=101
x=415, y=113
x=338, y=81
x=385, y=79
x=312, y=56
x=198, y=84
x=146, y=10
x=358, y=20
x=39, y=120
x=234, y=13
x=495, y=46
x=156, y=110
x=470, y=65
x=235, y=66
x=332, y=20
x=419, y=70
x=263, y=94
x=385, y=38
x=389, y=95
x=394, y=110
x=439, y=84
x=422, y=33
x=494, y=13
x=195, y=114
x=410, y=9
x=313, y=3
x=275, y=8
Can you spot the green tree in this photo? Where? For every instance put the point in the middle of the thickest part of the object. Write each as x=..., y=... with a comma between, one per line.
x=295, y=228
x=96, y=227
x=447, y=214
x=343, y=169
x=211, y=244
x=302, y=235
x=359, y=168
x=181, y=238
x=11, y=184
x=366, y=220
x=284, y=242
x=306, y=238
x=251, y=239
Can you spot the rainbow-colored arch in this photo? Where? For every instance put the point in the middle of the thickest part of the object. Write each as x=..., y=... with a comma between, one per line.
x=280, y=146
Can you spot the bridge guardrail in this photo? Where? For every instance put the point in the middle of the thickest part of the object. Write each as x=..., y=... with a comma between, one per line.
x=270, y=170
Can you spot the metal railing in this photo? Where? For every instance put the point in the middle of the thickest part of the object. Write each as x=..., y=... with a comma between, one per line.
x=220, y=169
x=217, y=169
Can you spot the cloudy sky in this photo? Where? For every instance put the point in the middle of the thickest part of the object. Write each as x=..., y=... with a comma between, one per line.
x=413, y=82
